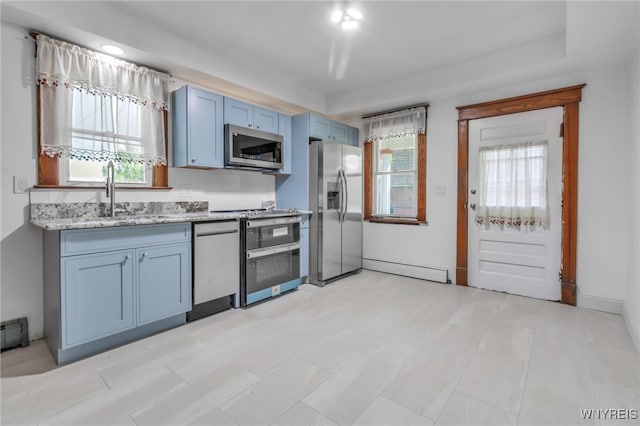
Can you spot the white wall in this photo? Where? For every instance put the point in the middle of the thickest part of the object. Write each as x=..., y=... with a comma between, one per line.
x=21, y=249
x=603, y=187
x=632, y=299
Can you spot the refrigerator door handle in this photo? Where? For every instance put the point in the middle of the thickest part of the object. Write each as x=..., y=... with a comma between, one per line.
x=341, y=206
x=346, y=195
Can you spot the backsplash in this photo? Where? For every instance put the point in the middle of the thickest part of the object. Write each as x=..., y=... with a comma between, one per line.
x=223, y=189
x=45, y=211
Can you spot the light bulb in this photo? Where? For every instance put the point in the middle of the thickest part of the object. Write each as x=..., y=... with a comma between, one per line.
x=349, y=24
x=111, y=49
x=354, y=13
x=336, y=16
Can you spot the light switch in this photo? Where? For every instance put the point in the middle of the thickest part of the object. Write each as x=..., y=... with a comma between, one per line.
x=20, y=184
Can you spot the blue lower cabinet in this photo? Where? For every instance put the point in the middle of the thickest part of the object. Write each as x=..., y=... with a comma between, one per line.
x=96, y=296
x=106, y=287
x=164, y=283
x=304, y=252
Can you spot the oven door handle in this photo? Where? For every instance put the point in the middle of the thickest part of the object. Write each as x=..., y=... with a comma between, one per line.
x=267, y=251
x=257, y=223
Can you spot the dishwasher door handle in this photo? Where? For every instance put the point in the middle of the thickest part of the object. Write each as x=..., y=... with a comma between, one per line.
x=206, y=234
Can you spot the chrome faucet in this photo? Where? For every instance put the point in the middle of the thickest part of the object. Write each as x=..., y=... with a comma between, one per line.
x=111, y=187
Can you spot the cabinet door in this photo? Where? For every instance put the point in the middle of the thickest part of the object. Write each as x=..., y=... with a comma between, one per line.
x=354, y=135
x=238, y=113
x=206, y=131
x=339, y=132
x=97, y=296
x=319, y=127
x=284, y=129
x=164, y=281
x=304, y=252
x=265, y=120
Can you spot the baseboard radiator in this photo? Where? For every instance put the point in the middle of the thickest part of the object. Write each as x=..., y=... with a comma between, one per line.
x=422, y=272
x=14, y=333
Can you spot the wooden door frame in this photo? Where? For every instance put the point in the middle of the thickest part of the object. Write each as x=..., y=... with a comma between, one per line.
x=568, y=98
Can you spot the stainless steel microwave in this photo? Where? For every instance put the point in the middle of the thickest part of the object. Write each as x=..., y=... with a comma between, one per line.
x=252, y=148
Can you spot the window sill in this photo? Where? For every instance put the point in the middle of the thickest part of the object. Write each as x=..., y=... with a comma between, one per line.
x=101, y=187
x=396, y=221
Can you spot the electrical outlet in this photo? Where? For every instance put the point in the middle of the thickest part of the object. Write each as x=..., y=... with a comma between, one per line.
x=20, y=184
x=185, y=190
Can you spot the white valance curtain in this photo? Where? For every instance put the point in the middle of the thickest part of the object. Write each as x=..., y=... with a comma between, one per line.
x=126, y=105
x=411, y=121
x=513, y=185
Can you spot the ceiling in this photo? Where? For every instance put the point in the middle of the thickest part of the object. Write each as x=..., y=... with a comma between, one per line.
x=288, y=55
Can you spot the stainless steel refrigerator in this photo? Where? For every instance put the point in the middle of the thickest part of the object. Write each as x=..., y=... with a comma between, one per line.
x=335, y=197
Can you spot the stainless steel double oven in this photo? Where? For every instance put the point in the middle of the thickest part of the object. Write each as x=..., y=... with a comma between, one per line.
x=270, y=264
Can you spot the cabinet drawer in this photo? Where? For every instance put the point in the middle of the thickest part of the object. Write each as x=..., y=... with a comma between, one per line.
x=81, y=241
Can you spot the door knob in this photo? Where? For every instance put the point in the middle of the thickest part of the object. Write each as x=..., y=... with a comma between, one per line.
x=473, y=192
x=473, y=206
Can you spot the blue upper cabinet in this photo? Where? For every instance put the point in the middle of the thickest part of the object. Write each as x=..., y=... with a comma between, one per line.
x=284, y=129
x=328, y=130
x=266, y=120
x=319, y=127
x=238, y=113
x=198, y=131
x=354, y=136
x=243, y=114
x=340, y=132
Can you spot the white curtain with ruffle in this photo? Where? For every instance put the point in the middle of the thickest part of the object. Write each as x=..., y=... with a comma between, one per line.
x=71, y=78
x=513, y=185
x=411, y=121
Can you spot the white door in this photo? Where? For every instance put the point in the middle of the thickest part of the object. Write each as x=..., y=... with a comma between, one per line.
x=521, y=260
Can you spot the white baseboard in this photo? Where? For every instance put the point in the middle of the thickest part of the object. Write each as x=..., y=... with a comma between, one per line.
x=597, y=303
x=421, y=272
x=633, y=329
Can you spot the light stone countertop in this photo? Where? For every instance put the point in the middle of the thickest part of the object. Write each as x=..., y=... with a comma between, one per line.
x=56, y=218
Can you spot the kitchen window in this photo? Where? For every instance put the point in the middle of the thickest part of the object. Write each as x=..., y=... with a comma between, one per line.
x=395, y=167
x=105, y=124
x=94, y=108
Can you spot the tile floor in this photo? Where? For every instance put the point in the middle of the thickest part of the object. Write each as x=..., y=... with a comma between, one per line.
x=372, y=349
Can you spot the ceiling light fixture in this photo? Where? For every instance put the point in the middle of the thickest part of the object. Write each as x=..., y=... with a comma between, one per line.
x=348, y=17
x=112, y=50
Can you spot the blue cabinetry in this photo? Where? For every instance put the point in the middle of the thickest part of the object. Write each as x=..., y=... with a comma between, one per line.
x=325, y=129
x=97, y=296
x=108, y=286
x=354, y=136
x=198, y=131
x=246, y=115
x=164, y=284
x=284, y=129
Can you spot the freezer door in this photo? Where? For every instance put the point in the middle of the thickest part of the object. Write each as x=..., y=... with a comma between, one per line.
x=352, y=223
x=329, y=232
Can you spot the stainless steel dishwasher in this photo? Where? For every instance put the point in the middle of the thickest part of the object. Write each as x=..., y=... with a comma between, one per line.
x=216, y=267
